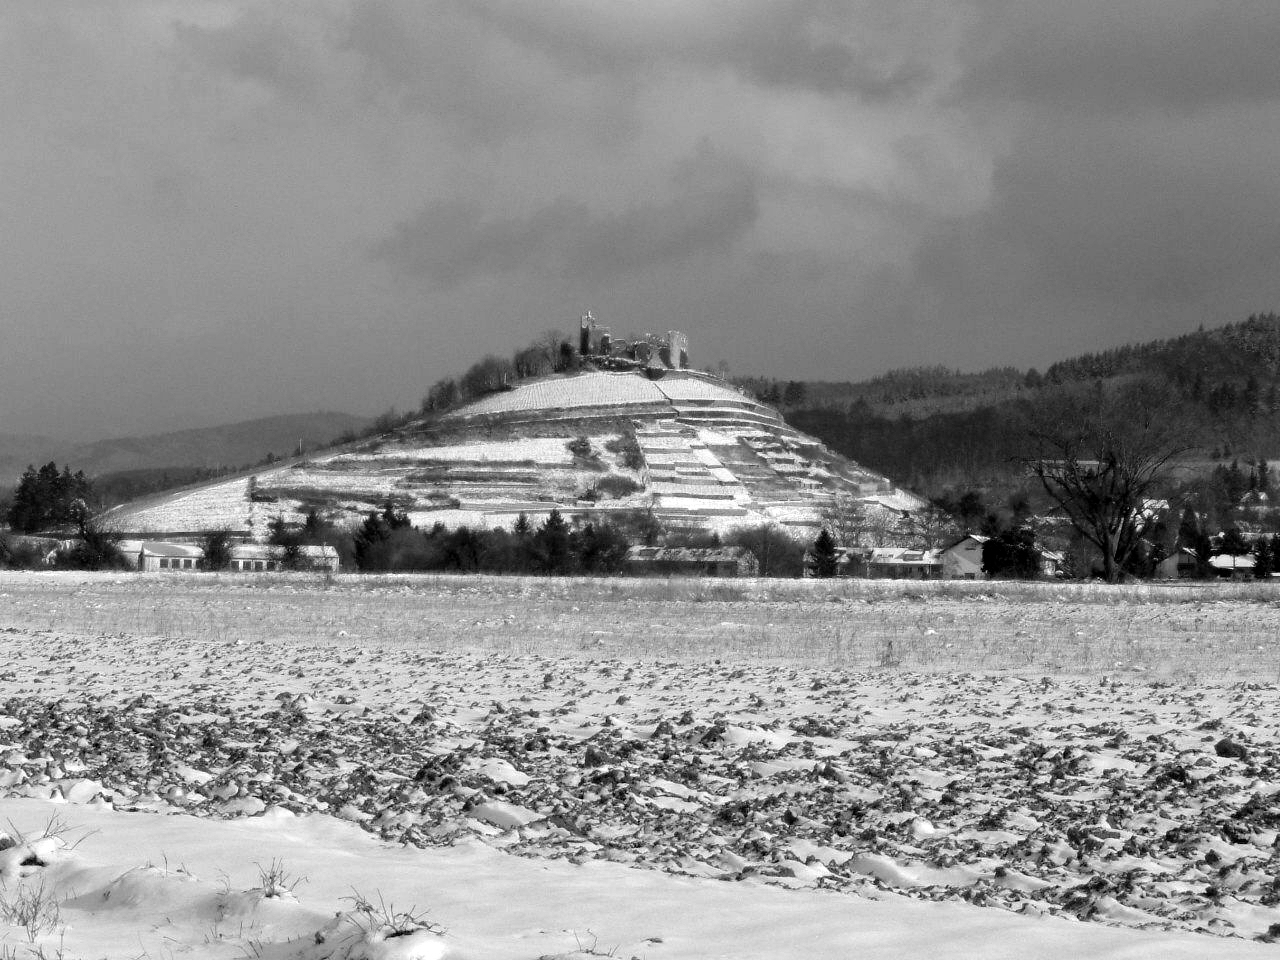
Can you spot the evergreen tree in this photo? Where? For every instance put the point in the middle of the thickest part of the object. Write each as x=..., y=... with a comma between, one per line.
x=825, y=558
x=1251, y=398
x=552, y=546
x=289, y=540
x=601, y=549
x=395, y=519
x=1233, y=543
x=522, y=558
x=373, y=533
x=1264, y=562
x=48, y=498
x=217, y=550
x=523, y=529
x=1011, y=554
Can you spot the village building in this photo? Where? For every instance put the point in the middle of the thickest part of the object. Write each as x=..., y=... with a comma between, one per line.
x=903, y=563
x=161, y=555
x=1183, y=564
x=155, y=555
x=1230, y=566
x=264, y=558
x=692, y=561
x=962, y=560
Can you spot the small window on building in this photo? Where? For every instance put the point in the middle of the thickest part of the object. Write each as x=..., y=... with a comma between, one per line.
x=164, y=563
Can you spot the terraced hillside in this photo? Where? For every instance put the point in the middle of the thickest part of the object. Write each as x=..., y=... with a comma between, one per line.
x=687, y=445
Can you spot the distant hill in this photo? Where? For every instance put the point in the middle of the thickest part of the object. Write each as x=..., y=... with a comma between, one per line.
x=932, y=426
x=232, y=445
x=19, y=449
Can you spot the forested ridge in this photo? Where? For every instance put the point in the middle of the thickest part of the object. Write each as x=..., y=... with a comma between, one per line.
x=931, y=426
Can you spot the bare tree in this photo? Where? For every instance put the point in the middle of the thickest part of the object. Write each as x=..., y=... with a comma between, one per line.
x=1106, y=455
x=931, y=526
x=846, y=517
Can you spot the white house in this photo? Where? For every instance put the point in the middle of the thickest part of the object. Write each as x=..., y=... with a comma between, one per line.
x=1232, y=566
x=902, y=563
x=260, y=558
x=151, y=555
x=963, y=559
x=159, y=555
x=1183, y=563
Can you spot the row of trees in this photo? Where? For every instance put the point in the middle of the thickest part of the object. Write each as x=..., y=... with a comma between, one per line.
x=48, y=499
x=549, y=353
x=386, y=541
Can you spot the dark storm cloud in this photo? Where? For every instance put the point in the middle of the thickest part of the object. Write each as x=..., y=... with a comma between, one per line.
x=1103, y=57
x=452, y=242
x=236, y=203
x=1136, y=195
x=1118, y=213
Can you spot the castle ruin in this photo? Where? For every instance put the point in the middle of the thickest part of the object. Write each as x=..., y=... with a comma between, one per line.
x=596, y=342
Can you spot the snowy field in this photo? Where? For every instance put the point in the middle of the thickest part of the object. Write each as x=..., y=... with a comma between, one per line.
x=216, y=766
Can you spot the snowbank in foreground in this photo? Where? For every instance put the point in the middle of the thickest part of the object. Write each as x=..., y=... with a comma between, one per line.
x=144, y=885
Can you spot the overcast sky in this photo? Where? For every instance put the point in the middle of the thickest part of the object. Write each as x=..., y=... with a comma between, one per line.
x=214, y=210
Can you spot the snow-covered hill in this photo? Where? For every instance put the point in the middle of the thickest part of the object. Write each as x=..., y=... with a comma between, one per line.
x=708, y=457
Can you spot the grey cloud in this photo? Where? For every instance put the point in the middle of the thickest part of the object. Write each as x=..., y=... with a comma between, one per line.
x=261, y=46
x=818, y=45
x=1103, y=57
x=1099, y=229
x=452, y=242
x=814, y=45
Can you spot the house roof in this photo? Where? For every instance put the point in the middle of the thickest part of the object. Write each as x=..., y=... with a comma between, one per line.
x=975, y=537
x=905, y=556
x=162, y=548
x=269, y=551
x=1227, y=561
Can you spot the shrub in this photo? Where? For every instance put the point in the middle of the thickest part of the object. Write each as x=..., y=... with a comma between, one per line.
x=580, y=447
x=97, y=549
x=614, y=487
x=16, y=554
x=1011, y=554
x=217, y=549
x=627, y=449
x=777, y=552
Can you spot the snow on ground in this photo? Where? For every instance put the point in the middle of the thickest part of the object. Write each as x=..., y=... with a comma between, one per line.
x=543, y=450
x=562, y=393
x=223, y=505
x=489, y=476
x=591, y=792
x=695, y=388
x=141, y=885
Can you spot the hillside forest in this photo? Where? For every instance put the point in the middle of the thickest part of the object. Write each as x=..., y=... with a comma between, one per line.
x=945, y=433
